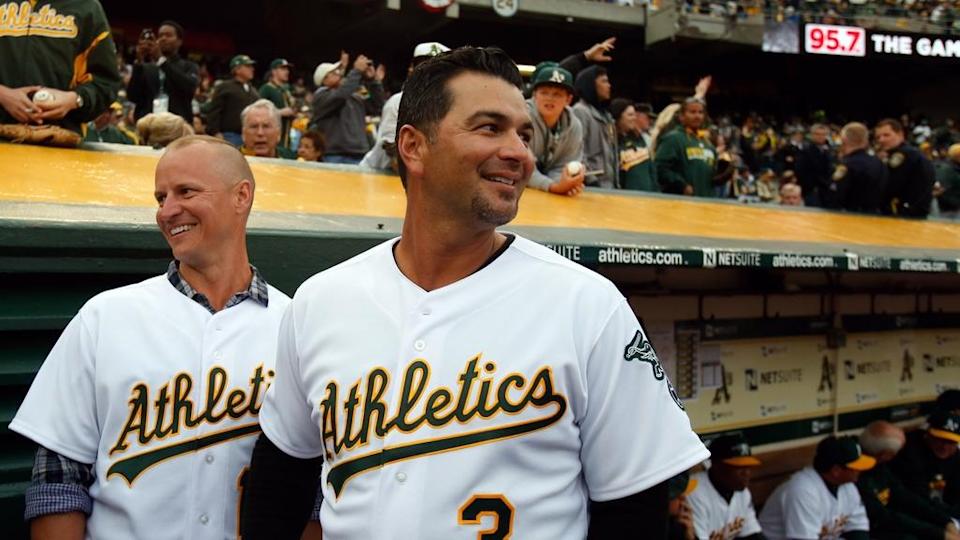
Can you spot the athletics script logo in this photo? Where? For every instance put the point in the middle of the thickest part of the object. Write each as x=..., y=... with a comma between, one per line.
x=354, y=418
x=155, y=416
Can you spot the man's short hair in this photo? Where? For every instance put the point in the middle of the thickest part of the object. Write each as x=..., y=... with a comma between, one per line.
x=817, y=127
x=791, y=189
x=264, y=104
x=895, y=125
x=856, y=134
x=426, y=97
x=237, y=166
x=176, y=27
x=879, y=437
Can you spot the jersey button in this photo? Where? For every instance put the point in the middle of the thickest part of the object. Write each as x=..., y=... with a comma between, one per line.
x=426, y=311
x=401, y=477
x=419, y=345
x=204, y=519
x=209, y=458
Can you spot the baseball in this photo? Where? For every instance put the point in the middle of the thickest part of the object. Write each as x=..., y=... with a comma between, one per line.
x=574, y=168
x=42, y=95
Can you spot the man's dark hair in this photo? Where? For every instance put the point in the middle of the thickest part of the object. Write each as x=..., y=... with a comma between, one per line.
x=895, y=125
x=426, y=97
x=176, y=27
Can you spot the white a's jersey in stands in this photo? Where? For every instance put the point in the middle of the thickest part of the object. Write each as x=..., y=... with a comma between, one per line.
x=162, y=397
x=803, y=508
x=716, y=519
x=498, y=404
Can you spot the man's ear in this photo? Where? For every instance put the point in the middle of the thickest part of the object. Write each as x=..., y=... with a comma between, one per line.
x=243, y=196
x=412, y=147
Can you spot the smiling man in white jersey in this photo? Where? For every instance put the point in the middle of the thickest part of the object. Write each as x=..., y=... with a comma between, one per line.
x=459, y=381
x=146, y=408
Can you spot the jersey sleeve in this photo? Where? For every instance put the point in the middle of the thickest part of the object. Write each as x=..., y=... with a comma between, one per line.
x=858, y=517
x=699, y=505
x=634, y=431
x=285, y=417
x=60, y=410
x=801, y=517
x=751, y=525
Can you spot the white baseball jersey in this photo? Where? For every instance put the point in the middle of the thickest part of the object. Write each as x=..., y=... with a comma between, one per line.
x=495, y=405
x=162, y=397
x=803, y=508
x=716, y=519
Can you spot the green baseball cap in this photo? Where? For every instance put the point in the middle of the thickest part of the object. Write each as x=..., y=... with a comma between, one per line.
x=280, y=62
x=553, y=74
x=241, y=60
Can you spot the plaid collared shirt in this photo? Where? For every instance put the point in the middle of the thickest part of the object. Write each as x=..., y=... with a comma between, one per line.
x=60, y=484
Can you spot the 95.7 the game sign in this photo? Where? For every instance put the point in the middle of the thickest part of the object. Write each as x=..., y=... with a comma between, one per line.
x=835, y=40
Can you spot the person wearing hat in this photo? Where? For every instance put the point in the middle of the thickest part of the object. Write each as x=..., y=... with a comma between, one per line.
x=822, y=501
x=230, y=98
x=162, y=80
x=341, y=105
x=379, y=157
x=722, y=504
x=686, y=160
x=681, y=524
x=929, y=464
x=277, y=90
x=637, y=170
x=557, y=143
x=896, y=513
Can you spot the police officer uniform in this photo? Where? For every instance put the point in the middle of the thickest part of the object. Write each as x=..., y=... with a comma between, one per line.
x=910, y=183
x=858, y=183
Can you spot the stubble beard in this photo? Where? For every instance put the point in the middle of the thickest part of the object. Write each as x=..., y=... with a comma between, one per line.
x=486, y=213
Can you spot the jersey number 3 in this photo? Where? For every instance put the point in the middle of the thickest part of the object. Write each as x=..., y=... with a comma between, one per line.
x=488, y=505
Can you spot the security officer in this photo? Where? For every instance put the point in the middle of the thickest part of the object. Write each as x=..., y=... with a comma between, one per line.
x=929, y=464
x=911, y=175
x=860, y=178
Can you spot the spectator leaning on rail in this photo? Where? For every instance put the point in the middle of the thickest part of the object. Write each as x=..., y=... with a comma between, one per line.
x=557, y=133
x=929, y=464
x=858, y=182
x=685, y=159
x=341, y=104
x=910, y=174
x=72, y=58
x=599, y=129
x=637, y=170
x=379, y=157
x=261, y=131
x=277, y=90
x=896, y=513
x=312, y=146
x=230, y=98
x=162, y=81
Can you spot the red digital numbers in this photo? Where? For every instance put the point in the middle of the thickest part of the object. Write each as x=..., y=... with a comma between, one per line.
x=834, y=40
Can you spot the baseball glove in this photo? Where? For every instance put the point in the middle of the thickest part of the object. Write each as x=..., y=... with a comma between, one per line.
x=47, y=135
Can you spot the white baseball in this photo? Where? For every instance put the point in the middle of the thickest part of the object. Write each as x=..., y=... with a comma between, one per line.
x=42, y=95
x=574, y=168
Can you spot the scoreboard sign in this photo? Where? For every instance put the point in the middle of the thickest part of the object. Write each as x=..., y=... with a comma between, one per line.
x=835, y=40
x=855, y=41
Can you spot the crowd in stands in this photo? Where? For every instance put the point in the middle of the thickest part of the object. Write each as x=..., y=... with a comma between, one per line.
x=882, y=485
x=940, y=13
x=585, y=136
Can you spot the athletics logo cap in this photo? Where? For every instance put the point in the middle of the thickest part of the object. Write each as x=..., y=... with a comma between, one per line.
x=843, y=451
x=944, y=425
x=552, y=73
x=241, y=60
x=732, y=450
x=429, y=49
x=681, y=484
